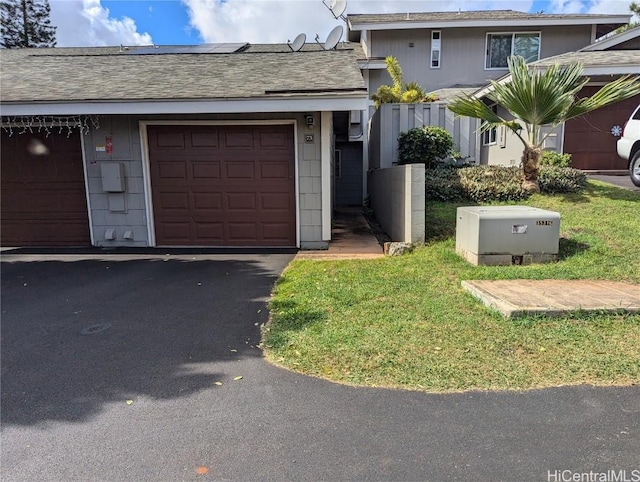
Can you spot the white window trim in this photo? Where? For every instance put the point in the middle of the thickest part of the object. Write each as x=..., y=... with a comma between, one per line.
x=513, y=35
x=439, y=50
x=492, y=133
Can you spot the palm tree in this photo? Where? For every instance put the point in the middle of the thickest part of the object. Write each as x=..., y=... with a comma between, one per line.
x=537, y=98
x=399, y=92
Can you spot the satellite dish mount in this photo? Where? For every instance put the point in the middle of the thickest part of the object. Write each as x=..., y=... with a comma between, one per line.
x=297, y=43
x=332, y=39
x=337, y=8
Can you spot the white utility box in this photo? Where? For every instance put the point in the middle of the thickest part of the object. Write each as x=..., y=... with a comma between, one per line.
x=505, y=235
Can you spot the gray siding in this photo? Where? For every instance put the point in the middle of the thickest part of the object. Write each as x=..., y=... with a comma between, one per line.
x=462, y=53
x=392, y=119
x=106, y=208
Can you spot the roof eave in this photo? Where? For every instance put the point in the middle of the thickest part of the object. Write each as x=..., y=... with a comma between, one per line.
x=405, y=25
x=355, y=100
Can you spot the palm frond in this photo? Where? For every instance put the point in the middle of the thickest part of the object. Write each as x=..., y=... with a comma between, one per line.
x=613, y=92
x=538, y=97
x=395, y=71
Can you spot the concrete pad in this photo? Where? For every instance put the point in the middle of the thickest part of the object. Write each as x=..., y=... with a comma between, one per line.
x=517, y=298
x=352, y=238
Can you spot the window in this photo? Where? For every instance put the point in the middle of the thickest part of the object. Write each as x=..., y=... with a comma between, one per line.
x=501, y=46
x=435, y=49
x=489, y=138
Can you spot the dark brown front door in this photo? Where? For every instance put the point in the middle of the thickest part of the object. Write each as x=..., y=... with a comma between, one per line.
x=223, y=185
x=43, y=191
x=589, y=139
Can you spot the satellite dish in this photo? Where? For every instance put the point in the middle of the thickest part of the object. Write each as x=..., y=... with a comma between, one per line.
x=334, y=37
x=297, y=43
x=338, y=7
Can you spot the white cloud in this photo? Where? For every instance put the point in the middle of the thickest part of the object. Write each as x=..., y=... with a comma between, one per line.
x=265, y=21
x=87, y=23
x=590, y=6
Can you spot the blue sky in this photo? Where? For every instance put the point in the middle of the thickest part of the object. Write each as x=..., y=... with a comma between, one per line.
x=165, y=22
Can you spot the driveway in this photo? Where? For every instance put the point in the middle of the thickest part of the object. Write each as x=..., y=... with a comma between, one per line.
x=109, y=371
x=619, y=181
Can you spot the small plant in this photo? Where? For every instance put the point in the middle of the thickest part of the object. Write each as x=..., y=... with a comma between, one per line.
x=426, y=145
x=554, y=179
x=552, y=158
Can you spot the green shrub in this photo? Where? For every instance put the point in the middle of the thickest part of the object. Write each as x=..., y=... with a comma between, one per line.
x=480, y=184
x=424, y=145
x=551, y=158
x=493, y=183
x=553, y=179
x=443, y=184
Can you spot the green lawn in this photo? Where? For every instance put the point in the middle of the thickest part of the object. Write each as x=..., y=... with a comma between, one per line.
x=405, y=322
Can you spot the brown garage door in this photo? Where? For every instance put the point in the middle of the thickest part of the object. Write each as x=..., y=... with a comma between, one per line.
x=589, y=139
x=43, y=191
x=223, y=185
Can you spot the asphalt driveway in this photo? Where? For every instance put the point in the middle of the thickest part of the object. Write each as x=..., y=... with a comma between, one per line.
x=109, y=369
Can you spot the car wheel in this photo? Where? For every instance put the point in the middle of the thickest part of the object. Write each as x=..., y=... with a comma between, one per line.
x=634, y=169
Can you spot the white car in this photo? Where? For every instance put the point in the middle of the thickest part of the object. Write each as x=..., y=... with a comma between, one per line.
x=629, y=146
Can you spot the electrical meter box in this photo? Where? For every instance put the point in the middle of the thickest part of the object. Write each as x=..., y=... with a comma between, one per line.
x=112, y=174
x=505, y=235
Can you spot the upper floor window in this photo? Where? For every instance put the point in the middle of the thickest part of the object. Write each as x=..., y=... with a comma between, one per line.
x=435, y=49
x=501, y=46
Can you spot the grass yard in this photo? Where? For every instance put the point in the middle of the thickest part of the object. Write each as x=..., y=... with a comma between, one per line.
x=405, y=322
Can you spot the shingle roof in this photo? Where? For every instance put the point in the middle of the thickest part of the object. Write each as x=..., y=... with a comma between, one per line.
x=506, y=15
x=110, y=74
x=608, y=58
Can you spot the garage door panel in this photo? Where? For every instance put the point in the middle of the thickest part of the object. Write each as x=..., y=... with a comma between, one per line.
x=205, y=138
x=272, y=201
x=43, y=191
x=178, y=232
x=174, y=200
x=168, y=139
x=274, y=170
x=238, y=139
x=213, y=232
x=275, y=231
x=207, y=201
x=205, y=170
x=243, y=232
x=238, y=193
x=240, y=170
x=241, y=201
x=270, y=140
x=172, y=170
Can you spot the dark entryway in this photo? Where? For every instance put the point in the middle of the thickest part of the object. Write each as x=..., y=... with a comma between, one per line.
x=348, y=174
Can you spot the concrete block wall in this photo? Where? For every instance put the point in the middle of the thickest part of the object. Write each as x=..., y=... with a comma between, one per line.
x=125, y=211
x=397, y=196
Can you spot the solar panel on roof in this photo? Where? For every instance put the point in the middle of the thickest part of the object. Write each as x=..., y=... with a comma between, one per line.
x=219, y=48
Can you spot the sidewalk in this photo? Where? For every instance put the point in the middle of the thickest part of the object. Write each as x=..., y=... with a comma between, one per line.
x=351, y=238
